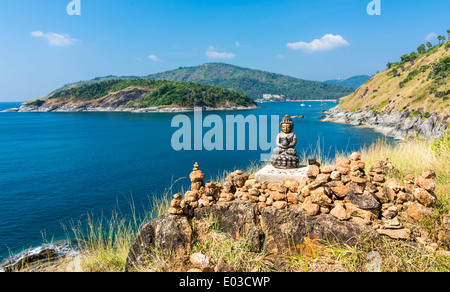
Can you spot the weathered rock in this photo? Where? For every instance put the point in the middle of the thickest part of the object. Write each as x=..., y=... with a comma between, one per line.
x=313, y=171
x=335, y=175
x=238, y=219
x=280, y=204
x=356, y=188
x=393, y=224
x=291, y=184
x=396, y=233
x=285, y=229
x=358, y=180
x=338, y=188
x=197, y=176
x=328, y=169
x=311, y=208
x=403, y=197
x=239, y=181
x=168, y=232
x=277, y=187
x=340, y=213
x=425, y=198
x=369, y=214
x=391, y=212
x=276, y=196
x=343, y=170
x=390, y=193
x=418, y=211
x=292, y=198
x=364, y=201
x=426, y=184
x=355, y=156
x=204, y=263
x=320, y=180
x=429, y=174
x=378, y=178
x=320, y=197
x=358, y=164
x=409, y=179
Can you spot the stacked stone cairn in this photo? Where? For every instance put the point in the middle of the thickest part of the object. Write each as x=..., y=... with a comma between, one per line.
x=343, y=191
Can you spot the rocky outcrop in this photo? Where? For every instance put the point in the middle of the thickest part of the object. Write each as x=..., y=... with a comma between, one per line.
x=285, y=229
x=403, y=124
x=336, y=203
x=169, y=233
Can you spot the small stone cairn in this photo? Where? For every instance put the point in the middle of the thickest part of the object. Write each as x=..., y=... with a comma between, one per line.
x=344, y=191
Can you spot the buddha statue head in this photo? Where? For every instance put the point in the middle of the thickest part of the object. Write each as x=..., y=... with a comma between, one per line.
x=286, y=125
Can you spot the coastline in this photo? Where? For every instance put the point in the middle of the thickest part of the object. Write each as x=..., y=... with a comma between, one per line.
x=75, y=109
x=400, y=124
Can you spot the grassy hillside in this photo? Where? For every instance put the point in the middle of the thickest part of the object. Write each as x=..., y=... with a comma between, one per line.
x=420, y=83
x=254, y=83
x=157, y=93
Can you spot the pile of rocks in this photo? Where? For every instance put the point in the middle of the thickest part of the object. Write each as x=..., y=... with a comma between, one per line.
x=343, y=191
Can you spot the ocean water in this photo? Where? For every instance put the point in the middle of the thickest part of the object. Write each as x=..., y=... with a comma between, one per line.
x=58, y=167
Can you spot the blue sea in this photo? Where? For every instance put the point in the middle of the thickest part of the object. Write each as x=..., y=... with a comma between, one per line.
x=57, y=167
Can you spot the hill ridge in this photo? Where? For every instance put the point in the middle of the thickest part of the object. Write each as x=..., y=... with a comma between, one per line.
x=252, y=82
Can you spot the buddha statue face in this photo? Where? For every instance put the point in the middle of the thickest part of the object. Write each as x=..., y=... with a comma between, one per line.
x=287, y=128
x=286, y=125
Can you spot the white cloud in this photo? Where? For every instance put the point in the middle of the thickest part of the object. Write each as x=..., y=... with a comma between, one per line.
x=155, y=59
x=212, y=53
x=431, y=36
x=238, y=44
x=55, y=39
x=281, y=56
x=325, y=43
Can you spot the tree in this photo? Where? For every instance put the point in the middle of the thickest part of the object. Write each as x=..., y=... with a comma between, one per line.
x=448, y=32
x=441, y=38
x=421, y=48
x=423, y=69
x=429, y=45
x=394, y=72
x=405, y=58
x=389, y=65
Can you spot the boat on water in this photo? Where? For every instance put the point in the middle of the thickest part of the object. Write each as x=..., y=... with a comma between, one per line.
x=302, y=104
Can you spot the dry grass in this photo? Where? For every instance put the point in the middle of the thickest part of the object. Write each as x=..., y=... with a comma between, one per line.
x=383, y=93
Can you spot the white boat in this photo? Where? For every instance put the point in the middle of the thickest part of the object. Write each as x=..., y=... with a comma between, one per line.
x=302, y=104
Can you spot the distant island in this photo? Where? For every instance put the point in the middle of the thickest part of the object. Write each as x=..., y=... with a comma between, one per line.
x=140, y=95
x=353, y=82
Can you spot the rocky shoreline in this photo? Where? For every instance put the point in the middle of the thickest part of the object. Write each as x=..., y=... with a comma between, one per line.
x=403, y=123
x=85, y=108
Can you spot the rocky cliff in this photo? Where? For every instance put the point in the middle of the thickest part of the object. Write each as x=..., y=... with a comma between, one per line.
x=402, y=124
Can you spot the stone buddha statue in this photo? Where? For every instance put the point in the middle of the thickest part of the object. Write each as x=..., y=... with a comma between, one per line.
x=285, y=155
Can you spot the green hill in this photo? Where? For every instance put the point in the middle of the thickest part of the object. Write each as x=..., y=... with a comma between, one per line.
x=353, y=82
x=254, y=83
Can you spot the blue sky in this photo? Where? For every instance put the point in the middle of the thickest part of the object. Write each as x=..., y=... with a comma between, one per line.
x=42, y=47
